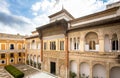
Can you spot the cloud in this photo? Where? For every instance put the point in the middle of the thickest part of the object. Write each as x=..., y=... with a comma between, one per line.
x=4, y=7
x=10, y=23
x=15, y=24
x=36, y=7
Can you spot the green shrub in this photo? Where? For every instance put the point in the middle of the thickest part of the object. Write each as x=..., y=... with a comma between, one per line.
x=39, y=65
x=72, y=75
x=14, y=71
x=27, y=61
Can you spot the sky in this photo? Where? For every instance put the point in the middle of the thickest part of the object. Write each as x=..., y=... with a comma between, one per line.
x=23, y=16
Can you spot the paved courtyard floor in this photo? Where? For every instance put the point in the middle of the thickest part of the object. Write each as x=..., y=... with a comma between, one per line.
x=29, y=72
x=4, y=73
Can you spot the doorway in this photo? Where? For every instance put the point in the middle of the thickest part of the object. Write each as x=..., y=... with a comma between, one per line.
x=53, y=67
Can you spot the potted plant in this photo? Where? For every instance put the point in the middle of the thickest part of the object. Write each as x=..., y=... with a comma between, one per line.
x=72, y=75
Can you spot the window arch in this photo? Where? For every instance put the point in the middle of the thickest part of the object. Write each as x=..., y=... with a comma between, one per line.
x=11, y=46
x=91, y=40
x=33, y=44
x=114, y=42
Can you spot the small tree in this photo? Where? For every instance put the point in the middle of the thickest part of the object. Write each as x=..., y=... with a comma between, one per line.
x=72, y=75
x=31, y=62
x=34, y=64
x=27, y=61
x=39, y=65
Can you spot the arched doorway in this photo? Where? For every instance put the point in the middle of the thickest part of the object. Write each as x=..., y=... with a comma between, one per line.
x=84, y=70
x=73, y=67
x=62, y=71
x=115, y=72
x=99, y=71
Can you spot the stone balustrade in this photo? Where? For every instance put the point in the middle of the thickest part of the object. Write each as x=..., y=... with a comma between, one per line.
x=22, y=50
x=95, y=54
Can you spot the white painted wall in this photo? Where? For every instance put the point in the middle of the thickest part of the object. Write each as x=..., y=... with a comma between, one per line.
x=86, y=47
x=97, y=47
x=39, y=45
x=85, y=69
x=107, y=44
x=39, y=60
x=99, y=71
x=33, y=45
x=115, y=72
x=35, y=59
x=73, y=67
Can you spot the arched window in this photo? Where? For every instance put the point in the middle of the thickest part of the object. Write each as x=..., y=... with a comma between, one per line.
x=33, y=44
x=91, y=40
x=75, y=46
x=11, y=46
x=114, y=42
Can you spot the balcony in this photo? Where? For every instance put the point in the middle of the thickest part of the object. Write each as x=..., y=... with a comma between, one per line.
x=113, y=55
x=33, y=50
x=22, y=50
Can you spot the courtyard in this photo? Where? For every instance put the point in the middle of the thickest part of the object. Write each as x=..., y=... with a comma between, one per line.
x=29, y=72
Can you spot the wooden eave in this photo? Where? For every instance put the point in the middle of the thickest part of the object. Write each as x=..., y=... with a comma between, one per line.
x=95, y=14
x=97, y=23
x=62, y=11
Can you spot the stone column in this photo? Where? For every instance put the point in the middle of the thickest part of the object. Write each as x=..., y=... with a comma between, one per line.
x=7, y=58
x=15, y=56
x=110, y=45
x=91, y=70
x=67, y=55
x=118, y=45
x=41, y=53
x=82, y=44
x=107, y=71
x=78, y=69
x=101, y=44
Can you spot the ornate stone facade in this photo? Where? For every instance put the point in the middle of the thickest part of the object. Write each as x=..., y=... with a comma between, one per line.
x=88, y=46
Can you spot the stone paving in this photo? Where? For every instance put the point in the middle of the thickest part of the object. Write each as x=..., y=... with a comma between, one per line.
x=29, y=72
x=4, y=73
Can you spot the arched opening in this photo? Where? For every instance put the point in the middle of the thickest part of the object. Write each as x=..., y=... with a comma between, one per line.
x=62, y=71
x=115, y=72
x=91, y=40
x=19, y=46
x=107, y=43
x=33, y=44
x=99, y=71
x=73, y=67
x=75, y=46
x=11, y=46
x=84, y=70
x=114, y=42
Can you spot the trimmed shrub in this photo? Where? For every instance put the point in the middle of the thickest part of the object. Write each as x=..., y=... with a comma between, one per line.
x=14, y=71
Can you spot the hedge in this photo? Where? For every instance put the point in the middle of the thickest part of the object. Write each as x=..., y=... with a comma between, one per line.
x=14, y=71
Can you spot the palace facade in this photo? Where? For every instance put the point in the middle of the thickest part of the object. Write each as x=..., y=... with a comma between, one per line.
x=12, y=49
x=88, y=47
